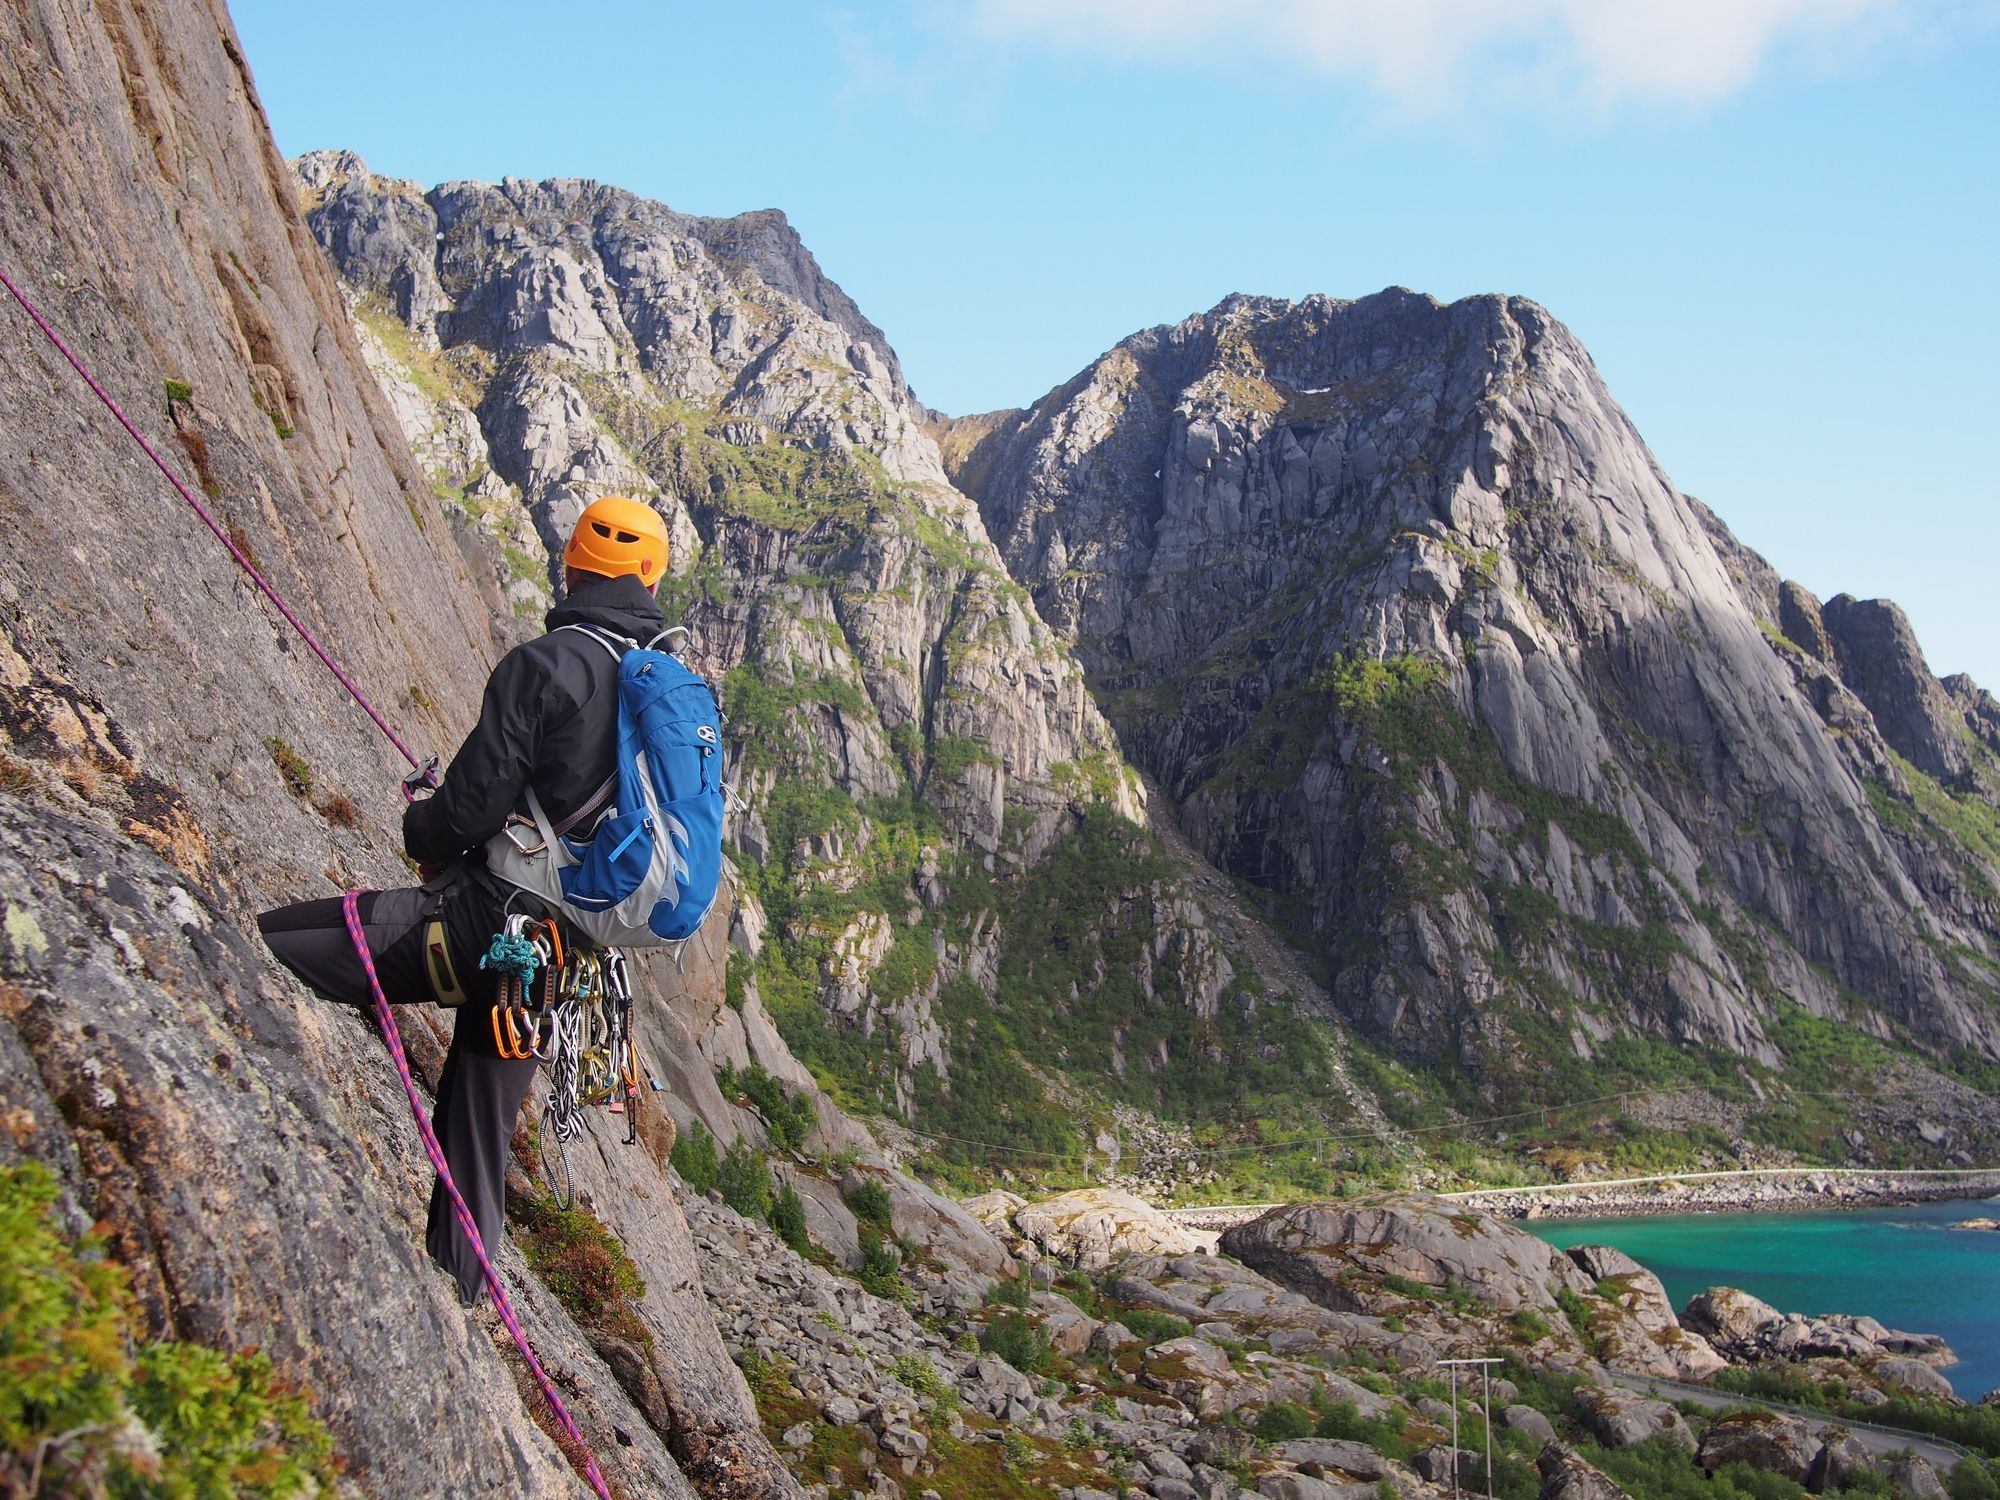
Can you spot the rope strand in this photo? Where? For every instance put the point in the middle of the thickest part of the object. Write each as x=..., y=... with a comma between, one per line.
x=384, y=1017
x=394, y=1038
x=209, y=520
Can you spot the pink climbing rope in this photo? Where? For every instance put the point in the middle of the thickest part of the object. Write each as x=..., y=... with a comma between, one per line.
x=213, y=525
x=432, y=1149
x=390, y=1034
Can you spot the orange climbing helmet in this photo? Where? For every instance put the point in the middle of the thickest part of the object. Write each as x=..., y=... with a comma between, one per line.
x=615, y=536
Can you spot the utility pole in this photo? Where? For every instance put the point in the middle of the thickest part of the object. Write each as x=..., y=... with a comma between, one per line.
x=1486, y=1411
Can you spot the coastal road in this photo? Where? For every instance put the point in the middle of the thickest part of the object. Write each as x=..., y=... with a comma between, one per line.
x=1878, y=1440
x=1835, y=1185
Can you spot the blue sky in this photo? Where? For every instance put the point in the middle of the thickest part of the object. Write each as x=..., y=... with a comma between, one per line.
x=1773, y=222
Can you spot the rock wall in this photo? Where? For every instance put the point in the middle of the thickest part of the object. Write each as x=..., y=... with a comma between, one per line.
x=174, y=760
x=1393, y=600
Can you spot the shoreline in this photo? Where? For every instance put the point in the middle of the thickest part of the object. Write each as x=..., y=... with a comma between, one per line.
x=1767, y=1190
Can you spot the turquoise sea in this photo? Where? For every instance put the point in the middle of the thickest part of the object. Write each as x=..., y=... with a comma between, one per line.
x=1905, y=1266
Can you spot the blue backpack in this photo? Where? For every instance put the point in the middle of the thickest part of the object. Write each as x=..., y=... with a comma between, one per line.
x=647, y=872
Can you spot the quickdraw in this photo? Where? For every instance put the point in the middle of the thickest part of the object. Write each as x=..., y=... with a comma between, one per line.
x=522, y=949
x=590, y=1057
x=571, y=1011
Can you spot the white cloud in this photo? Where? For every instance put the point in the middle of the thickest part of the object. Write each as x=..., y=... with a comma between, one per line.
x=1424, y=54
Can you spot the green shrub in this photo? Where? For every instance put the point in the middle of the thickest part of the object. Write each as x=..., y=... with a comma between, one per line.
x=1576, y=1310
x=788, y=1217
x=1011, y=1291
x=1155, y=1327
x=1022, y=1343
x=1282, y=1421
x=71, y=1383
x=869, y=1198
x=881, y=1270
x=694, y=1158
x=232, y=1429
x=789, y=1117
x=744, y=1181
x=179, y=390
x=923, y=1377
x=1974, y=1479
x=1343, y=1420
x=1529, y=1322
x=1660, y=1469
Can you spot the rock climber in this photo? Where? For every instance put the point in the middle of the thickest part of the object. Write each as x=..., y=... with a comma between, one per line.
x=549, y=721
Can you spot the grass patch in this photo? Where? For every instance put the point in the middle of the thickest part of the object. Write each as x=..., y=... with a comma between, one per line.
x=583, y=1266
x=292, y=768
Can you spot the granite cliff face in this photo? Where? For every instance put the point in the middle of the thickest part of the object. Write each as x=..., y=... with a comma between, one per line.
x=923, y=770
x=1391, y=598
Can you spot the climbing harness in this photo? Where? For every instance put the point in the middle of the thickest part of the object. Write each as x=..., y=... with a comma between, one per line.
x=386, y=1019
x=423, y=775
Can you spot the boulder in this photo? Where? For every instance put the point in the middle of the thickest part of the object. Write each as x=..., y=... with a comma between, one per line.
x=1567, y=1477
x=1356, y=1460
x=1310, y=1248
x=1526, y=1420
x=1194, y=1372
x=1839, y=1459
x=1617, y=1418
x=1627, y=1284
x=1108, y=1338
x=1762, y=1439
x=1913, y=1478
x=1094, y=1227
x=1437, y=1463
x=1729, y=1319
x=1070, y=1330
x=1913, y=1378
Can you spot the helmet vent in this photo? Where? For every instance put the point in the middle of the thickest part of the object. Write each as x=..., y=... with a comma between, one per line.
x=627, y=538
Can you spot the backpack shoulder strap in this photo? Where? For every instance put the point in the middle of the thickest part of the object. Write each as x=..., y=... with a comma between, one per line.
x=617, y=645
x=667, y=635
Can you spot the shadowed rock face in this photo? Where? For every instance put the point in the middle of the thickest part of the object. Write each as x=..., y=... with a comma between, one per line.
x=1589, y=788
x=1883, y=664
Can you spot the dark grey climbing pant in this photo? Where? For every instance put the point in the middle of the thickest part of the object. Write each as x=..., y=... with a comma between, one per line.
x=479, y=1092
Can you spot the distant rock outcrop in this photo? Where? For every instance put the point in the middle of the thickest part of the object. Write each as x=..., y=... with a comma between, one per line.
x=1391, y=598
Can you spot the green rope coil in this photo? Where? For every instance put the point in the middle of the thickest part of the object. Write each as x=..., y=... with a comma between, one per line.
x=512, y=955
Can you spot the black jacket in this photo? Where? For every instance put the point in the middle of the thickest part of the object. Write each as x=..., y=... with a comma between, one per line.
x=550, y=720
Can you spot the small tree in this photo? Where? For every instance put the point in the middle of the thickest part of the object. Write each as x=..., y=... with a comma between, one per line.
x=693, y=1157
x=788, y=1217
x=744, y=1181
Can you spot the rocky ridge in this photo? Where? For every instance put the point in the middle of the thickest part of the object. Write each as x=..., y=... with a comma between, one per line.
x=1394, y=603
x=923, y=770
